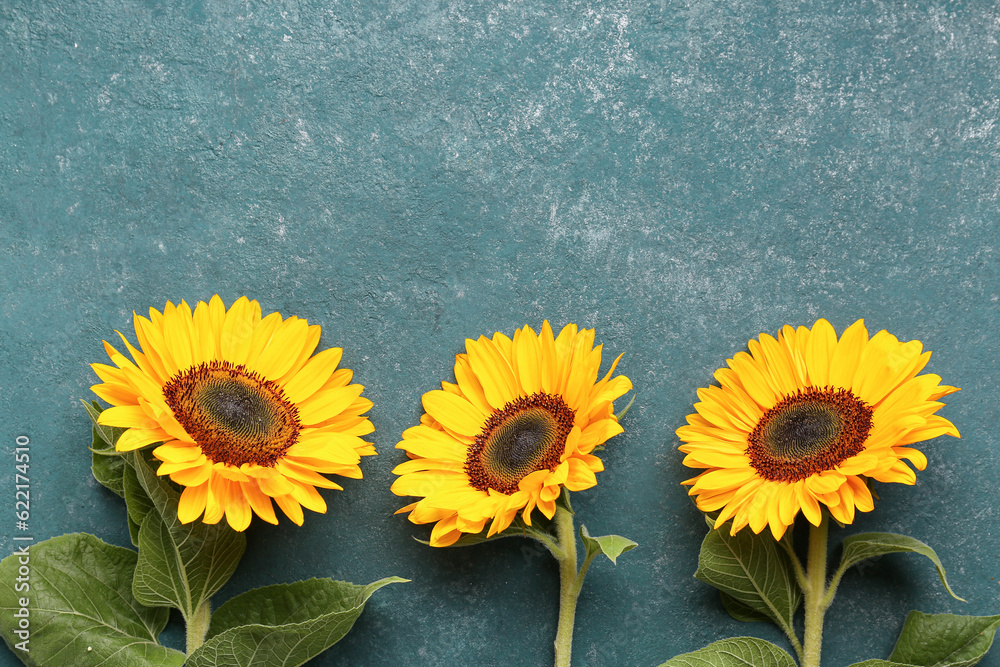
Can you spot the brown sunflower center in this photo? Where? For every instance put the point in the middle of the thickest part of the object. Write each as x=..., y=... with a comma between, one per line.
x=528, y=434
x=808, y=432
x=233, y=414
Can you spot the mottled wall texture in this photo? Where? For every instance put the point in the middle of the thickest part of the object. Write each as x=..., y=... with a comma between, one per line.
x=679, y=175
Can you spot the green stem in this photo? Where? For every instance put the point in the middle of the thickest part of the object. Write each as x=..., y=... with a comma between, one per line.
x=816, y=602
x=197, y=626
x=800, y=575
x=831, y=588
x=569, y=586
x=549, y=544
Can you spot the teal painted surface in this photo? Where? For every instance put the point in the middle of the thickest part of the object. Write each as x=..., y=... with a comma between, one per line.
x=680, y=176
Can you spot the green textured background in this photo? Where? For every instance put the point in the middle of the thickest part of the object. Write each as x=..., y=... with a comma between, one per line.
x=680, y=176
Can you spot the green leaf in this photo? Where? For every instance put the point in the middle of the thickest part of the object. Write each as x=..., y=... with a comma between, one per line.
x=944, y=640
x=283, y=625
x=105, y=436
x=754, y=571
x=137, y=501
x=107, y=465
x=611, y=546
x=879, y=663
x=734, y=652
x=80, y=606
x=109, y=470
x=626, y=408
x=870, y=545
x=740, y=611
x=180, y=565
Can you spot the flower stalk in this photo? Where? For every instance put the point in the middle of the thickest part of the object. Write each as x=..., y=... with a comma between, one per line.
x=197, y=626
x=570, y=583
x=816, y=599
x=570, y=579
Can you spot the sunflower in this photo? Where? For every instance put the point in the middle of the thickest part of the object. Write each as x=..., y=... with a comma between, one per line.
x=519, y=424
x=805, y=420
x=244, y=413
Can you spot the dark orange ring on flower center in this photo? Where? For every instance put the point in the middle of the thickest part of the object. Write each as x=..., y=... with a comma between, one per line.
x=528, y=434
x=233, y=414
x=808, y=432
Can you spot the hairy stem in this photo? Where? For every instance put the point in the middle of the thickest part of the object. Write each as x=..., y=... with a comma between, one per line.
x=569, y=586
x=197, y=626
x=816, y=602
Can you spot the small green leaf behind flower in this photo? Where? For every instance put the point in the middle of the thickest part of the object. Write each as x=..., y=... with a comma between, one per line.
x=113, y=470
x=541, y=530
x=734, y=652
x=611, y=546
x=624, y=411
x=285, y=624
x=81, y=608
x=740, y=611
x=107, y=465
x=137, y=502
x=105, y=436
x=870, y=545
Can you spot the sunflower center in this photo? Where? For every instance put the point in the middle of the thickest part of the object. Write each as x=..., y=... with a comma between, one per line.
x=810, y=431
x=528, y=434
x=233, y=414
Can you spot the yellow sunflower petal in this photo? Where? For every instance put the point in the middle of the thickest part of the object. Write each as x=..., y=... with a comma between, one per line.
x=445, y=532
x=136, y=438
x=453, y=412
x=274, y=361
x=754, y=380
x=192, y=475
x=809, y=504
x=779, y=365
x=115, y=394
x=237, y=331
x=493, y=371
x=308, y=497
x=206, y=336
x=291, y=508
x=844, y=362
x=846, y=509
x=192, y=503
x=527, y=358
x=127, y=416
x=177, y=327
x=862, y=495
x=580, y=476
x=548, y=369
x=299, y=473
x=914, y=456
x=215, y=507
x=313, y=375
x=327, y=403
x=259, y=502
x=150, y=337
x=176, y=452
